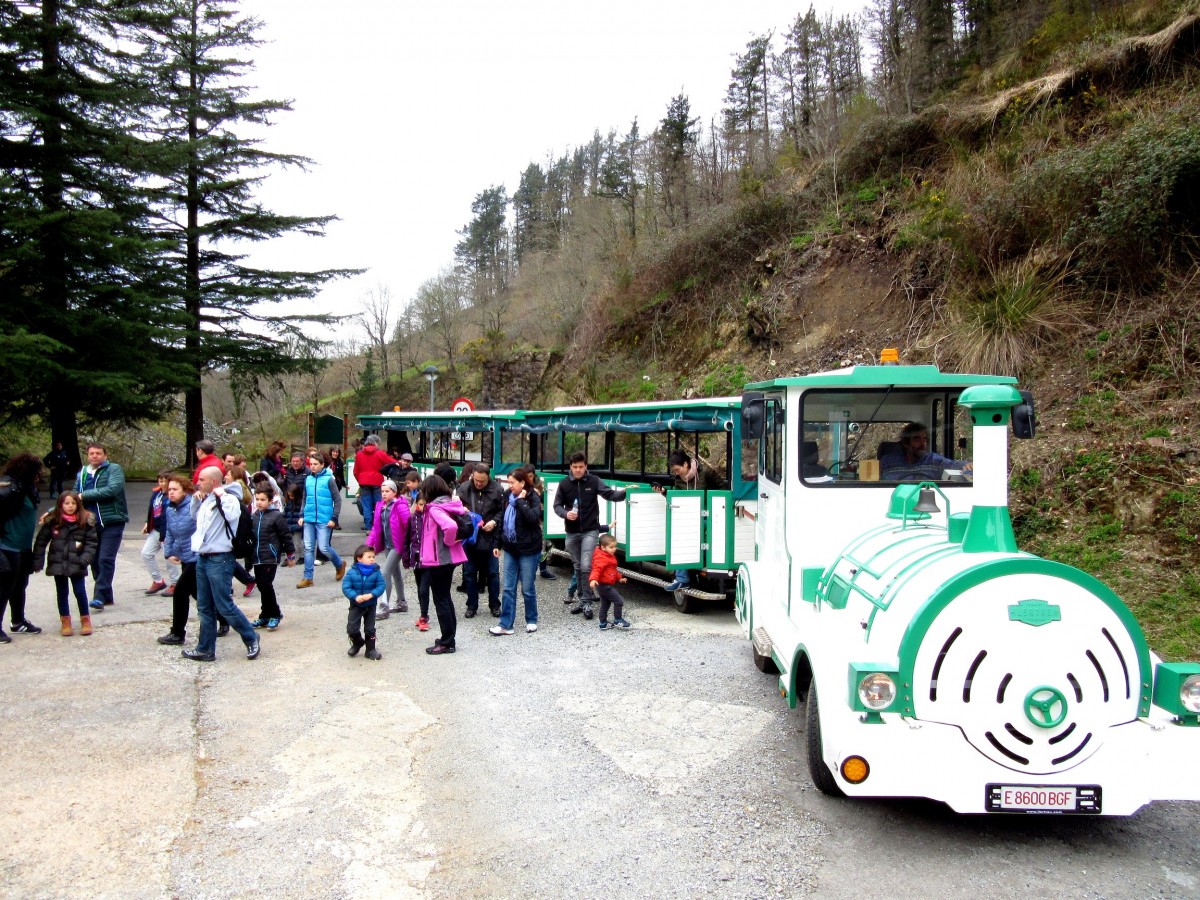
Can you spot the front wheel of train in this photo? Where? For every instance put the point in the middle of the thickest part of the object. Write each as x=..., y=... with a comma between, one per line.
x=821, y=776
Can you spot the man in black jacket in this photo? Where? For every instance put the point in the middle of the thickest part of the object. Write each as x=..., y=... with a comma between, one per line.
x=481, y=494
x=575, y=501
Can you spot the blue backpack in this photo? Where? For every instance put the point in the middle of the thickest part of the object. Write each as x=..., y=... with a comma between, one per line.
x=468, y=527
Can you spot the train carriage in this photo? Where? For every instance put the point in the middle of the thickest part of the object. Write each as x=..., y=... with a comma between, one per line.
x=629, y=444
x=936, y=659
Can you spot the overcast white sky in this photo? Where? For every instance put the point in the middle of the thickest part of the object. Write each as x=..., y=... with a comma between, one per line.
x=411, y=109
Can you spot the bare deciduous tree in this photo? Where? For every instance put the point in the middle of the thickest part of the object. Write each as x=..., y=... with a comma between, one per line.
x=376, y=319
x=441, y=305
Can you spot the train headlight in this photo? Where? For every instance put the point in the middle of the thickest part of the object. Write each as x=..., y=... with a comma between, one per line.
x=877, y=691
x=873, y=689
x=1189, y=694
x=1177, y=690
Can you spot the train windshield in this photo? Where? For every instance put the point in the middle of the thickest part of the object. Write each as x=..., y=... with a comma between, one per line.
x=884, y=435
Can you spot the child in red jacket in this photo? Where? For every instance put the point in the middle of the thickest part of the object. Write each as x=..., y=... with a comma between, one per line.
x=603, y=578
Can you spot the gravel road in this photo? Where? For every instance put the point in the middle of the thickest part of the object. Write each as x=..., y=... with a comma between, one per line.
x=569, y=763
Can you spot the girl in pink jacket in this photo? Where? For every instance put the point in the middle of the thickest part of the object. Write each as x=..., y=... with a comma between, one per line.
x=441, y=551
x=387, y=539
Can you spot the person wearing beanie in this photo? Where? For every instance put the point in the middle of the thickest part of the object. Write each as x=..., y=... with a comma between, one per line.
x=368, y=465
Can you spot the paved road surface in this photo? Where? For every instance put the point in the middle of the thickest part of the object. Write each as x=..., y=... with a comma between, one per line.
x=653, y=763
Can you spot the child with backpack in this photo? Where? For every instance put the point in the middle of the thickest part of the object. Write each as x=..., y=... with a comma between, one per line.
x=441, y=551
x=412, y=547
x=273, y=547
x=69, y=534
x=363, y=586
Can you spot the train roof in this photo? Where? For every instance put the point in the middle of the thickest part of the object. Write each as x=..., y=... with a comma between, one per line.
x=439, y=420
x=698, y=414
x=882, y=376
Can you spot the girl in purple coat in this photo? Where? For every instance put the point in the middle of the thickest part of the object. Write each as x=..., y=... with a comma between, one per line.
x=441, y=551
x=387, y=540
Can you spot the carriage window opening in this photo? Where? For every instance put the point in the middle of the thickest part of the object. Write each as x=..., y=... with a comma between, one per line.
x=550, y=456
x=596, y=450
x=627, y=452
x=658, y=448
x=513, y=447
x=573, y=442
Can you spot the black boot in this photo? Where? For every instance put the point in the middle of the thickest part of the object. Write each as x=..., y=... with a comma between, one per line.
x=356, y=644
x=372, y=653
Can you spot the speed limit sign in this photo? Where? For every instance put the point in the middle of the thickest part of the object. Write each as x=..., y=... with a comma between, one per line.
x=461, y=405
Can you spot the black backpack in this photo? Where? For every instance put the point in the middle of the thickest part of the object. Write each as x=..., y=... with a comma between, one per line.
x=243, y=538
x=11, y=498
x=468, y=527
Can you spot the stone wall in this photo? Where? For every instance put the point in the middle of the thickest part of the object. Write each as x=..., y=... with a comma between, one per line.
x=514, y=382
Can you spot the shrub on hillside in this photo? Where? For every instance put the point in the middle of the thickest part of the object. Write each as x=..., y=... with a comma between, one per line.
x=1116, y=203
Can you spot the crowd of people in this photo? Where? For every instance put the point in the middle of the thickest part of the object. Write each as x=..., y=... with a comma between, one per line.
x=221, y=523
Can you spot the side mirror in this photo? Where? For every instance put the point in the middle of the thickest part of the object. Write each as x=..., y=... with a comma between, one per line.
x=753, y=415
x=1024, y=417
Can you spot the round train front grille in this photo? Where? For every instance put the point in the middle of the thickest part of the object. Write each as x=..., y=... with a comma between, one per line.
x=1033, y=669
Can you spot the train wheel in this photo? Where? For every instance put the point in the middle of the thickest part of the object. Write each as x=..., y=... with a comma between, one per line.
x=686, y=604
x=820, y=773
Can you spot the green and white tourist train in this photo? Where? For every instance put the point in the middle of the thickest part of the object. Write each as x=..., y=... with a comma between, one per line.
x=935, y=658
x=882, y=584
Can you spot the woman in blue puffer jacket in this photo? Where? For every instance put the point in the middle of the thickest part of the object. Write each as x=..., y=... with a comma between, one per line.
x=322, y=505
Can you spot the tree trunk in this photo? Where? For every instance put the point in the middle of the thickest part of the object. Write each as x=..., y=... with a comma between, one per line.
x=194, y=395
x=62, y=401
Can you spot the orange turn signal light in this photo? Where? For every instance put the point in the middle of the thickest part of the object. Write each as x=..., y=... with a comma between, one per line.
x=855, y=769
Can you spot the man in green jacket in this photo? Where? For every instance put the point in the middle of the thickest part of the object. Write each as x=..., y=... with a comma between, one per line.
x=101, y=486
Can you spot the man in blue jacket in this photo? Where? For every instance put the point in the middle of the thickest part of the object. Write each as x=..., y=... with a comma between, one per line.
x=101, y=486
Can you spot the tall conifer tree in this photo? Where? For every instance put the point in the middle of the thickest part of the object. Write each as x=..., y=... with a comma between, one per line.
x=85, y=332
x=205, y=202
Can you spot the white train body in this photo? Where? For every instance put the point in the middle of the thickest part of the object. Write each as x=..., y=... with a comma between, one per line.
x=948, y=664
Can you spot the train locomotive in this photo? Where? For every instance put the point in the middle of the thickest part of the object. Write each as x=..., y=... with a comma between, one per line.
x=935, y=658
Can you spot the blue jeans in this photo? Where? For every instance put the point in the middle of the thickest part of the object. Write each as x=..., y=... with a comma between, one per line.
x=480, y=562
x=214, y=582
x=581, y=547
x=524, y=568
x=368, y=497
x=105, y=565
x=316, y=536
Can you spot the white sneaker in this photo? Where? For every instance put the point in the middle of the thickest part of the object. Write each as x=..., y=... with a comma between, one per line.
x=531, y=628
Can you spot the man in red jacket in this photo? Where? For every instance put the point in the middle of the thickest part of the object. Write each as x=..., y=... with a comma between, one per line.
x=206, y=455
x=367, y=465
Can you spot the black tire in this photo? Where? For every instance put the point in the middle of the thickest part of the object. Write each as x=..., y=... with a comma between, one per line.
x=763, y=663
x=821, y=776
x=684, y=603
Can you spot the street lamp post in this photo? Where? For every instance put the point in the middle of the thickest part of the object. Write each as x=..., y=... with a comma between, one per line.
x=431, y=375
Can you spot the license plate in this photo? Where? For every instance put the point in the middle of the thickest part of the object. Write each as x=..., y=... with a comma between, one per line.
x=1040, y=798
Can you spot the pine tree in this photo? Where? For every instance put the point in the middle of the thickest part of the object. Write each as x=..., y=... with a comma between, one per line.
x=87, y=332
x=746, y=108
x=676, y=143
x=205, y=204
x=482, y=254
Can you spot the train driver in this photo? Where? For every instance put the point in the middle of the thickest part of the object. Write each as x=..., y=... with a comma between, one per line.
x=914, y=460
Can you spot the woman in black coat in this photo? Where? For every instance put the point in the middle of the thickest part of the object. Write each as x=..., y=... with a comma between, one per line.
x=520, y=548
